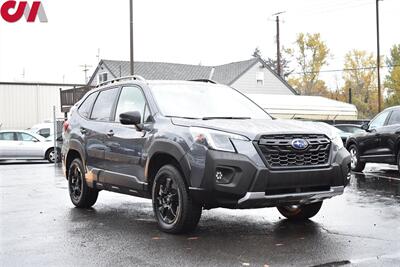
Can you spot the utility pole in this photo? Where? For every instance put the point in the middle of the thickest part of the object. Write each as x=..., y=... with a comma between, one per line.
x=378, y=59
x=278, y=50
x=131, y=34
x=350, y=96
x=278, y=45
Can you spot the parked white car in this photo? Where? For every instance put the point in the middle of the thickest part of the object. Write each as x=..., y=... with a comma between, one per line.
x=16, y=144
x=45, y=129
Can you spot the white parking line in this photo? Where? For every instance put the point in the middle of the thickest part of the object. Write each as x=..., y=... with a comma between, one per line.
x=378, y=176
x=394, y=256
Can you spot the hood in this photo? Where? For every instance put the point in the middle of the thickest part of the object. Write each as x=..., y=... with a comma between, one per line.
x=253, y=128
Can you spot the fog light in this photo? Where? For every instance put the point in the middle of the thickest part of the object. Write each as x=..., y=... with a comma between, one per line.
x=224, y=175
x=219, y=175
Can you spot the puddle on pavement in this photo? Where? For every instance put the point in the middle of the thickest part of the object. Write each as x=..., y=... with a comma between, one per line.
x=386, y=183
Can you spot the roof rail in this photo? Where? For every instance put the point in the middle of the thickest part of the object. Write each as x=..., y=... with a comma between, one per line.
x=203, y=81
x=119, y=79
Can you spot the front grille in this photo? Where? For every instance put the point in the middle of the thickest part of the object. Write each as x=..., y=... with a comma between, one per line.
x=278, y=152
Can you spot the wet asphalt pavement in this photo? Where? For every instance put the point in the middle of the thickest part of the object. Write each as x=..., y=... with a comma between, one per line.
x=40, y=226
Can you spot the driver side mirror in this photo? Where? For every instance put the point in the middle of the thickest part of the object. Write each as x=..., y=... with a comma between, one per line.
x=130, y=118
x=365, y=126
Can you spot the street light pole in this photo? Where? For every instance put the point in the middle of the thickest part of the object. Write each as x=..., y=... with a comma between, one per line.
x=131, y=36
x=378, y=59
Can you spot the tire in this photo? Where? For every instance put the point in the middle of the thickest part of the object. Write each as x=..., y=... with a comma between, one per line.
x=81, y=195
x=174, y=210
x=356, y=165
x=50, y=155
x=398, y=161
x=300, y=212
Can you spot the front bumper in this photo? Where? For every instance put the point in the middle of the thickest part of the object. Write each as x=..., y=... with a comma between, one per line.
x=252, y=185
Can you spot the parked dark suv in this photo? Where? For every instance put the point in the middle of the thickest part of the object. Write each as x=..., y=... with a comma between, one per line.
x=379, y=143
x=190, y=145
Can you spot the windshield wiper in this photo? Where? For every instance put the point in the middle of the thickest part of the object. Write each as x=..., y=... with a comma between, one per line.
x=180, y=117
x=225, y=118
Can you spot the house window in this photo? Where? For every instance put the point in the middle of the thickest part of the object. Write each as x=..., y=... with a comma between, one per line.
x=102, y=77
x=260, y=78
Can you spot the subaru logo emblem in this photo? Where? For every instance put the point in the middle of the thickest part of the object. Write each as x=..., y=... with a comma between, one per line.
x=299, y=144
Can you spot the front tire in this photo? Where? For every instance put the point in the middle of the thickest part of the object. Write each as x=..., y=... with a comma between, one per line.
x=81, y=195
x=398, y=161
x=174, y=210
x=356, y=164
x=300, y=212
x=51, y=155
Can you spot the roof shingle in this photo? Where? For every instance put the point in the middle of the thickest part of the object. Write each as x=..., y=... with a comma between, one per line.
x=225, y=74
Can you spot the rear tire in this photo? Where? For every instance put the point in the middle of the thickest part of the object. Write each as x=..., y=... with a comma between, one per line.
x=356, y=164
x=174, y=210
x=300, y=212
x=81, y=195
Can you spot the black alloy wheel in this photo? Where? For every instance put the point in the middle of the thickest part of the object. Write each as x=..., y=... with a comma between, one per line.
x=173, y=207
x=167, y=200
x=82, y=196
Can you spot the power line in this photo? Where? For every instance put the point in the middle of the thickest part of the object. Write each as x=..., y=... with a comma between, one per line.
x=346, y=69
x=331, y=9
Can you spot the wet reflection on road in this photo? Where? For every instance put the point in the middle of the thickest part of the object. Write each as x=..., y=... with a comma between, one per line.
x=380, y=181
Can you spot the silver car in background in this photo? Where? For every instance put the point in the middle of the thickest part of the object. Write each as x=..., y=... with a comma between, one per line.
x=17, y=144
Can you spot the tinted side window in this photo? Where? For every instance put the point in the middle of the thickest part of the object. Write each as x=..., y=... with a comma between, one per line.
x=379, y=120
x=45, y=132
x=394, y=118
x=6, y=136
x=131, y=99
x=103, y=105
x=86, y=106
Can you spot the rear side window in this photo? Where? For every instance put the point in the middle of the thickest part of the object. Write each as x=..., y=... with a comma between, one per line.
x=6, y=136
x=131, y=99
x=103, y=106
x=86, y=106
x=394, y=118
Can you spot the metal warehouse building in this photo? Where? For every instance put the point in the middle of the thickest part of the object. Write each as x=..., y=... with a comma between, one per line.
x=24, y=104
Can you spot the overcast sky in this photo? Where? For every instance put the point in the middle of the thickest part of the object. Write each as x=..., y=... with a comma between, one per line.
x=209, y=32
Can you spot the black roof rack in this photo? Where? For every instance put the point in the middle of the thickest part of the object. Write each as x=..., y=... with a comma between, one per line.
x=203, y=81
x=119, y=79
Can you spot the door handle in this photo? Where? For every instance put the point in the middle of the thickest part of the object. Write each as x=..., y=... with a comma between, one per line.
x=110, y=133
x=83, y=130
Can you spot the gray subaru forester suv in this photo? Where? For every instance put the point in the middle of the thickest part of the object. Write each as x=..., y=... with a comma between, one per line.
x=193, y=145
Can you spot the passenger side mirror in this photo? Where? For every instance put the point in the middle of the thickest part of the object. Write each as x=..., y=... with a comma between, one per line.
x=365, y=126
x=130, y=118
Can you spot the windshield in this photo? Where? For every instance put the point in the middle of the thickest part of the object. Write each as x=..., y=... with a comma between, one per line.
x=204, y=101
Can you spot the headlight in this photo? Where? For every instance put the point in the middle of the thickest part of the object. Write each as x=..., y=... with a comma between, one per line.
x=215, y=139
x=337, y=140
